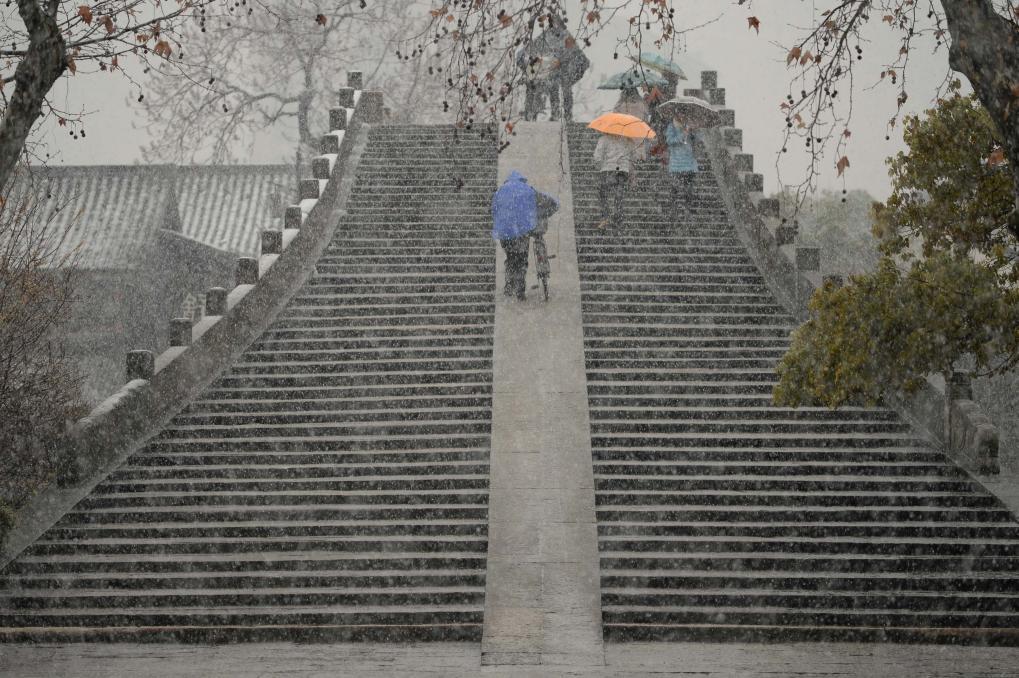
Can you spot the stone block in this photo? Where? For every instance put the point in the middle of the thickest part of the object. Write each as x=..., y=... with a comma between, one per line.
x=513, y=622
x=338, y=119
x=329, y=143
x=292, y=217
x=345, y=97
x=372, y=107
x=732, y=136
x=754, y=183
x=716, y=96
x=709, y=79
x=768, y=207
x=808, y=258
x=985, y=442
x=308, y=189
x=247, y=271
x=743, y=162
x=272, y=242
x=785, y=234
x=140, y=365
x=180, y=332
x=727, y=117
x=973, y=439
x=355, y=79
x=215, y=301
x=320, y=168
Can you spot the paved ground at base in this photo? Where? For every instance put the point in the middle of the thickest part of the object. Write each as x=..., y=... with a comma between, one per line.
x=463, y=660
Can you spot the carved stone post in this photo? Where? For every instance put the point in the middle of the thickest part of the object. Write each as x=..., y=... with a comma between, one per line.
x=215, y=301
x=272, y=242
x=345, y=97
x=140, y=365
x=180, y=332
x=247, y=271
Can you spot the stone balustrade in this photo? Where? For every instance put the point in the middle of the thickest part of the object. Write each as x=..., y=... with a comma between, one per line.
x=793, y=273
x=158, y=386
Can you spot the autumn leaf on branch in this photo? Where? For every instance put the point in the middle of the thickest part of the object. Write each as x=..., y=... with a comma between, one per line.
x=754, y=23
x=85, y=12
x=107, y=22
x=842, y=164
x=163, y=49
x=794, y=55
x=320, y=19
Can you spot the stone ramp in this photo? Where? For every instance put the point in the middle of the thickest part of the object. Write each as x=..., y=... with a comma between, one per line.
x=333, y=482
x=723, y=517
x=541, y=590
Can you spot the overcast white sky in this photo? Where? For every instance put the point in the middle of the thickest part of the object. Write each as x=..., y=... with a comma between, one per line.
x=751, y=68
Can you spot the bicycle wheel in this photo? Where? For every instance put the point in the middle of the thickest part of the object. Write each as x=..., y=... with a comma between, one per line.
x=544, y=285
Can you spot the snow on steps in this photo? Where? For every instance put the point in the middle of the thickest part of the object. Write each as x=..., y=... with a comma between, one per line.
x=288, y=502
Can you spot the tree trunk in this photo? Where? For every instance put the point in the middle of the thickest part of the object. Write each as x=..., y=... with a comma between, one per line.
x=985, y=48
x=44, y=62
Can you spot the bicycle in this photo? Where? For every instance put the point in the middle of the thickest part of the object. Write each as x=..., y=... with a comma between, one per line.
x=541, y=265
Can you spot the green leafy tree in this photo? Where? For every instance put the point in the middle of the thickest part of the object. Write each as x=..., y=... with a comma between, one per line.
x=945, y=287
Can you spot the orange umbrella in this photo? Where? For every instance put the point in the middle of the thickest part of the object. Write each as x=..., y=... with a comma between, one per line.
x=622, y=125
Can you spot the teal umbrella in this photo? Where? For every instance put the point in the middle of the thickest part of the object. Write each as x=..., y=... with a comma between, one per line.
x=661, y=64
x=633, y=78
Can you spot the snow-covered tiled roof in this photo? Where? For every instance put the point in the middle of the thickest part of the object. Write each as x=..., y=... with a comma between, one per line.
x=112, y=214
x=227, y=207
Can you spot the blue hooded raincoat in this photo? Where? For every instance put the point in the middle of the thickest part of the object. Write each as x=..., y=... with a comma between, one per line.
x=514, y=208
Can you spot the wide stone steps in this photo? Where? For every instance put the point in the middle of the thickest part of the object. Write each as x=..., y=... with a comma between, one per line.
x=333, y=482
x=724, y=517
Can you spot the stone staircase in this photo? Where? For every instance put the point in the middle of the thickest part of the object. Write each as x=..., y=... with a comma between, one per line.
x=723, y=517
x=333, y=482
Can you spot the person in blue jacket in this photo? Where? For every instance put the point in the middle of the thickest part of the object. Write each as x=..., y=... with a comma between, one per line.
x=514, y=217
x=678, y=196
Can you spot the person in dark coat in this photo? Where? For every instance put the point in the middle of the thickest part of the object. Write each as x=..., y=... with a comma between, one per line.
x=534, y=98
x=557, y=43
x=514, y=218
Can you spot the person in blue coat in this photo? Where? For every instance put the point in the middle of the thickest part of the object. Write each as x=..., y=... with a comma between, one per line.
x=514, y=217
x=678, y=195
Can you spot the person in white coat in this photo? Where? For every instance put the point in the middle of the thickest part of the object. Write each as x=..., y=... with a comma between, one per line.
x=632, y=103
x=615, y=157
